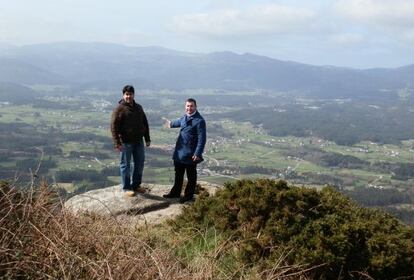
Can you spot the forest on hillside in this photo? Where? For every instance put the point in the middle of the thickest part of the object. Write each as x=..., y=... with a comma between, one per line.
x=345, y=122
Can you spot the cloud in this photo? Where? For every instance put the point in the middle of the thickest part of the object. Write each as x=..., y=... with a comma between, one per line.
x=19, y=33
x=408, y=36
x=392, y=14
x=347, y=39
x=258, y=20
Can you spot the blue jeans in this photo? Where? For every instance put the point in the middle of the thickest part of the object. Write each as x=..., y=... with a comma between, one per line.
x=138, y=154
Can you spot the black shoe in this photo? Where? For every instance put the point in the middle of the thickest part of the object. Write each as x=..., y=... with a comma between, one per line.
x=171, y=195
x=185, y=199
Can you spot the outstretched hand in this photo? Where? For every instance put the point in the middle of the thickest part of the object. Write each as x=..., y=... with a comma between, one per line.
x=167, y=122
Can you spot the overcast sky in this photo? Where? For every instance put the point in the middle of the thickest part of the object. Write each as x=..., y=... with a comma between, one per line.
x=355, y=33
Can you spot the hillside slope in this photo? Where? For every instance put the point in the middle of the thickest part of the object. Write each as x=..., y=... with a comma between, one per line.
x=110, y=65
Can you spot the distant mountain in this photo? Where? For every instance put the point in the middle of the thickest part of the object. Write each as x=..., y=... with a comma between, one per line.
x=104, y=65
x=15, y=93
x=16, y=71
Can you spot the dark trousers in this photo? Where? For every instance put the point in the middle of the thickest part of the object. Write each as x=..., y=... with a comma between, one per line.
x=191, y=171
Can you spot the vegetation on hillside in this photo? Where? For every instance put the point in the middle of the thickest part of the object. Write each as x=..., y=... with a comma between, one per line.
x=258, y=229
x=345, y=124
x=40, y=240
x=322, y=231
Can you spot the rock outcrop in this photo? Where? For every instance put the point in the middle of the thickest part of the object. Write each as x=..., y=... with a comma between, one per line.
x=150, y=207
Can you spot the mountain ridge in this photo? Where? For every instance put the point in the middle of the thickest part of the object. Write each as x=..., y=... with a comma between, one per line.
x=83, y=64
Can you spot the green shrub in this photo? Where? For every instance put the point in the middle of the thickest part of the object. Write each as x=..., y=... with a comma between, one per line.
x=322, y=230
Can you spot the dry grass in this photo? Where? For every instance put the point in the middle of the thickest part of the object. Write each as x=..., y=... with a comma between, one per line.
x=40, y=241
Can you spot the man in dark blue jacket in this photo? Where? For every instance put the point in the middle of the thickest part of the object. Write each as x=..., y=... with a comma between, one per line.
x=188, y=150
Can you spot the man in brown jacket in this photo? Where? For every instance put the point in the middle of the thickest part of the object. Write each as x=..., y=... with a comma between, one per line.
x=129, y=125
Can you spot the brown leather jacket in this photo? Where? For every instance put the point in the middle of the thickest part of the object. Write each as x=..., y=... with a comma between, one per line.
x=129, y=124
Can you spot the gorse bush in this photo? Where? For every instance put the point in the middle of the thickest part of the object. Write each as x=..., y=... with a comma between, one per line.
x=321, y=230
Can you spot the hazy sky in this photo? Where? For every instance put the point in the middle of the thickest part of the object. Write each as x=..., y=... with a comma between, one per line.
x=356, y=33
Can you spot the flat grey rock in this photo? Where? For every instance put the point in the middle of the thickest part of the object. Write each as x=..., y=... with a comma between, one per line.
x=112, y=201
x=149, y=207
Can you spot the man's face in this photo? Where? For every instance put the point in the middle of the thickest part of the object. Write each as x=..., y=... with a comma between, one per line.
x=128, y=97
x=190, y=108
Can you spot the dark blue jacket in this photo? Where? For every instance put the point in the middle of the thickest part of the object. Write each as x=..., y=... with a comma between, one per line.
x=191, y=140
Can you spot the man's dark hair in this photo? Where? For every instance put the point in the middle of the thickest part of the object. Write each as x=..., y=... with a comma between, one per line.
x=192, y=100
x=128, y=88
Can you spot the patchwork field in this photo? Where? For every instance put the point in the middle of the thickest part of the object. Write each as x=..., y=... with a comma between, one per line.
x=73, y=142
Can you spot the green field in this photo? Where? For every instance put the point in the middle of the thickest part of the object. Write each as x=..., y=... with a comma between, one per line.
x=227, y=158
